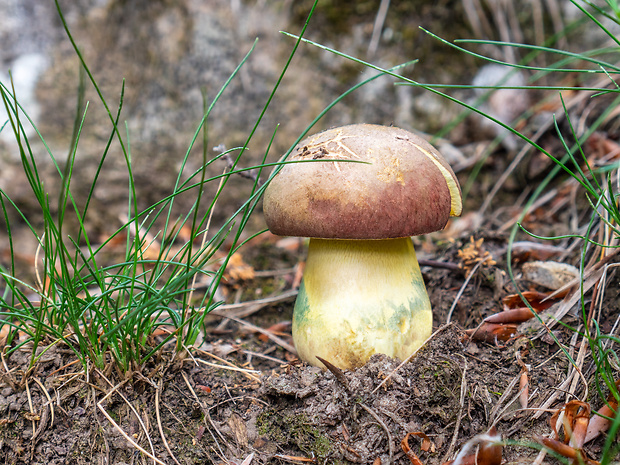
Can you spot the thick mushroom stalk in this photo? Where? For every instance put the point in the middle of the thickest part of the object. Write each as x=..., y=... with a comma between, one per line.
x=359, y=298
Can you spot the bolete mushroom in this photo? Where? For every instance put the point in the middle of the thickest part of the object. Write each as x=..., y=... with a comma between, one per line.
x=362, y=292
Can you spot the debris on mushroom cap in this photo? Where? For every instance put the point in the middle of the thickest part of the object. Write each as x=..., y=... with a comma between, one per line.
x=384, y=182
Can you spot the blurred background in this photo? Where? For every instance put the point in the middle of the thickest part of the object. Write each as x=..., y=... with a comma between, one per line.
x=171, y=53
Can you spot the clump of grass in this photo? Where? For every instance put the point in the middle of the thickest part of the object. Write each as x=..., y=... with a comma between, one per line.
x=109, y=312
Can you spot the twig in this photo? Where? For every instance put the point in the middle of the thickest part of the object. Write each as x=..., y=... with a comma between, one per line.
x=230, y=164
x=49, y=402
x=457, y=426
x=159, y=426
x=387, y=431
x=245, y=309
x=497, y=416
x=135, y=412
x=461, y=290
x=281, y=342
x=125, y=435
x=500, y=401
x=103, y=437
x=207, y=415
x=32, y=416
x=378, y=28
x=264, y=356
x=438, y=264
x=231, y=366
x=9, y=376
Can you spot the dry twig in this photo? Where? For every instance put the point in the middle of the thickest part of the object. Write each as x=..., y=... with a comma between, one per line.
x=159, y=425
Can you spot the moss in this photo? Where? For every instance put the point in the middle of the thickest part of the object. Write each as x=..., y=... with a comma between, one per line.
x=296, y=430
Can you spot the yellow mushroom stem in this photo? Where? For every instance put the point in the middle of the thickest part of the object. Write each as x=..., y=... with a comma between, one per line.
x=359, y=298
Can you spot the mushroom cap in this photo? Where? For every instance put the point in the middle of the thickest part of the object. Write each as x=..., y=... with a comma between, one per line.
x=390, y=183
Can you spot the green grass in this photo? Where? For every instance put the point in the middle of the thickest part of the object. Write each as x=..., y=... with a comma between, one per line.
x=108, y=312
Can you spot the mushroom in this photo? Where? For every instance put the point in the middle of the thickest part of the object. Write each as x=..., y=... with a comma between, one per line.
x=370, y=189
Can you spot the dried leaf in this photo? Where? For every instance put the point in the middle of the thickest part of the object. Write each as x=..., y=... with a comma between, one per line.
x=279, y=329
x=575, y=423
x=599, y=424
x=558, y=447
x=490, y=452
x=515, y=315
x=524, y=388
x=404, y=444
x=493, y=333
x=239, y=430
x=337, y=372
x=538, y=300
x=237, y=269
x=576, y=419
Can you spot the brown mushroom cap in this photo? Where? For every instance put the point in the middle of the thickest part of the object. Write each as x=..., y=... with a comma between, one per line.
x=403, y=188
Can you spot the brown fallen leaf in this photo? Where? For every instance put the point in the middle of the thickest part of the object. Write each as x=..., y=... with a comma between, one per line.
x=514, y=315
x=524, y=389
x=490, y=452
x=577, y=456
x=599, y=424
x=237, y=269
x=426, y=446
x=283, y=328
x=493, y=333
x=538, y=300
